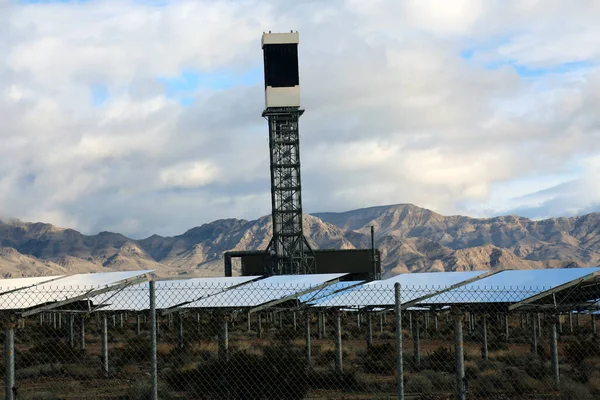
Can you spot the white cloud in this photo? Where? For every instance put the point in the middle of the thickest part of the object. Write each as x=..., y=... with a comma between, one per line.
x=393, y=112
x=189, y=175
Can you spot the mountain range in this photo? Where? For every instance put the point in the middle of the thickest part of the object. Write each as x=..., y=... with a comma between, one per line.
x=410, y=238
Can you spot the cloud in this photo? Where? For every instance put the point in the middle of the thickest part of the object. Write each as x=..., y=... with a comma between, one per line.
x=189, y=175
x=141, y=117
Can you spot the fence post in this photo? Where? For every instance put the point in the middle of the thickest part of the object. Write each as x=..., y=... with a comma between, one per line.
x=154, y=373
x=338, y=342
x=484, y=348
x=533, y=336
x=554, y=351
x=571, y=321
x=70, y=330
x=320, y=325
x=369, y=328
x=104, y=345
x=307, y=332
x=223, y=337
x=9, y=359
x=416, y=344
x=461, y=393
x=259, y=326
x=506, y=326
x=180, y=342
x=82, y=333
x=398, y=316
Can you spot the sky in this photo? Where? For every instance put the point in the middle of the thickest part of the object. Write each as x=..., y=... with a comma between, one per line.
x=144, y=116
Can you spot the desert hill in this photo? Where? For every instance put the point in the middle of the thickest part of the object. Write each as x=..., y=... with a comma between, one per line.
x=410, y=238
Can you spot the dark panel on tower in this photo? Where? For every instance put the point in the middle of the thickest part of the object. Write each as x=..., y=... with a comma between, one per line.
x=281, y=65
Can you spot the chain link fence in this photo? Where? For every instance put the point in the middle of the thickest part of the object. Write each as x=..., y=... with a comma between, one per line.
x=457, y=345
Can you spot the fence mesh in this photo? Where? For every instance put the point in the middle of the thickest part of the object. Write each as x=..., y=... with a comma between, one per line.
x=240, y=343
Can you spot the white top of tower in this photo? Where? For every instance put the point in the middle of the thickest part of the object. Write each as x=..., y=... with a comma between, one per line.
x=280, y=38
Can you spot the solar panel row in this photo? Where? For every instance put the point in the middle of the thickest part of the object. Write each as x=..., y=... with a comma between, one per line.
x=120, y=291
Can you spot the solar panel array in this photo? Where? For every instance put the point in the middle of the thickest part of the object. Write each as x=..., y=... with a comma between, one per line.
x=169, y=293
x=9, y=285
x=65, y=288
x=316, y=290
x=273, y=288
x=381, y=293
x=511, y=286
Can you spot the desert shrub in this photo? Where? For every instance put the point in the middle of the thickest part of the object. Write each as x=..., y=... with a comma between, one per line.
x=497, y=345
x=48, y=352
x=594, y=383
x=441, y=381
x=143, y=391
x=536, y=368
x=380, y=359
x=287, y=334
x=490, y=383
x=43, y=396
x=440, y=359
x=135, y=351
x=327, y=357
x=581, y=372
x=577, y=351
x=354, y=331
x=570, y=390
x=279, y=372
x=329, y=380
x=387, y=336
x=419, y=384
x=521, y=383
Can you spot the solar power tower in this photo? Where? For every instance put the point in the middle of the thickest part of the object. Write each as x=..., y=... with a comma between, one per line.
x=288, y=252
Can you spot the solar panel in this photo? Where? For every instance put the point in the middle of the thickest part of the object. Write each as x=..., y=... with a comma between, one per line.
x=266, y=290
x=65, y=289
x=328, y=291
x=511, y=286
x=7, y=285
x=381, y=293
x=169, y=293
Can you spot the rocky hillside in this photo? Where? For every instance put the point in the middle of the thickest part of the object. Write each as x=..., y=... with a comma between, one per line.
x=410, y=239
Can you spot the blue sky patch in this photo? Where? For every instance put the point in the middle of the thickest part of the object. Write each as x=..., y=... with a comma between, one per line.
x=565, y=68
x=534, y=72
x=99, y=94
x=51, y=1
x=525, y=71
x=182, y=87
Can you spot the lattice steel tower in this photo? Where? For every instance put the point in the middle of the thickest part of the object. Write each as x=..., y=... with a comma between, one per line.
x=289, y=251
